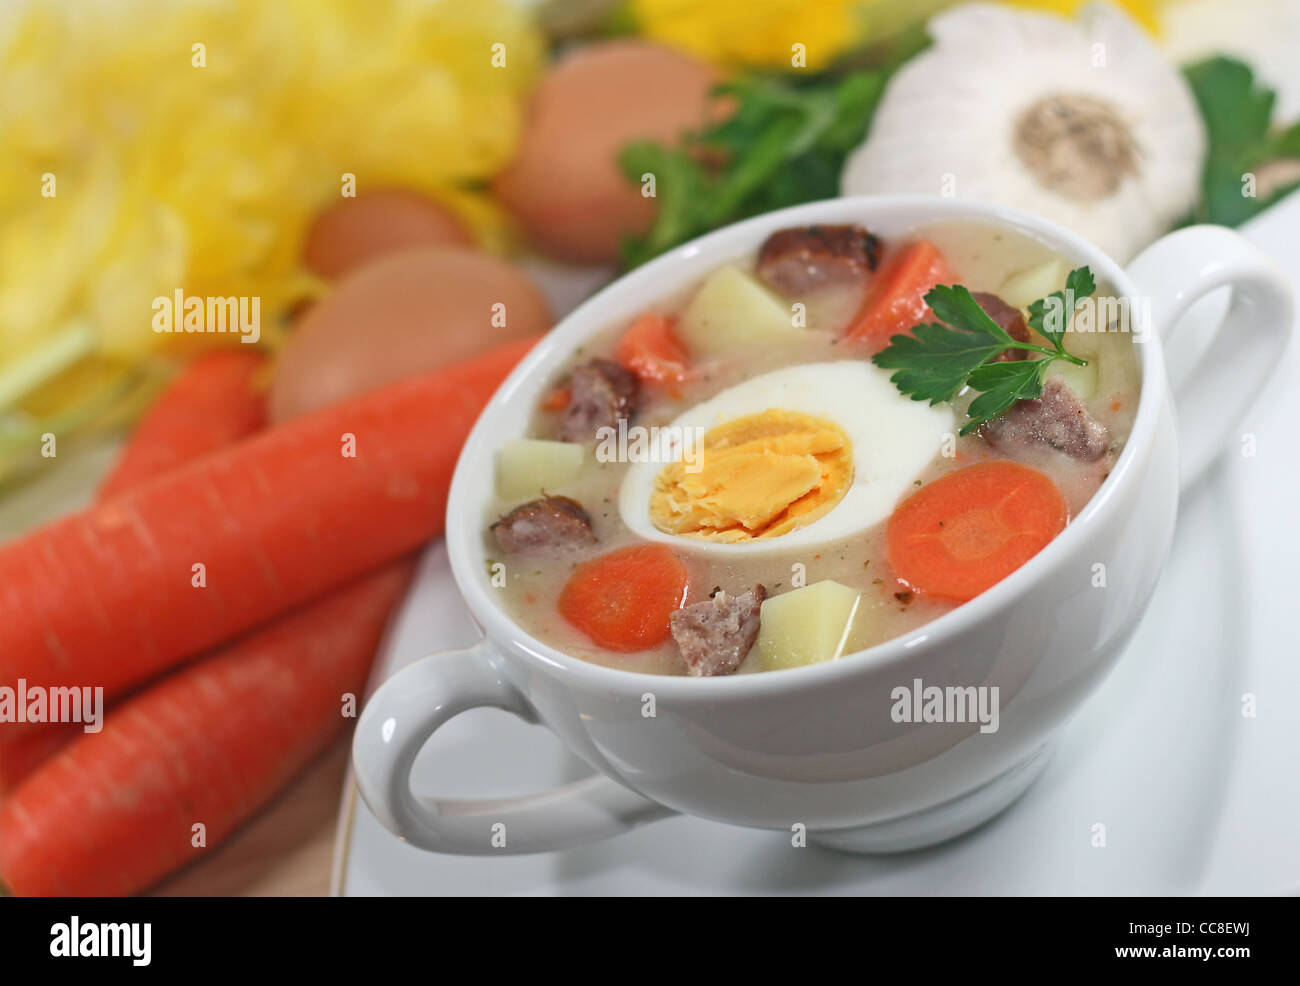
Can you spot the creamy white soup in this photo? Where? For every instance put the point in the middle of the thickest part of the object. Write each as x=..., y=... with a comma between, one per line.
x=766, y=470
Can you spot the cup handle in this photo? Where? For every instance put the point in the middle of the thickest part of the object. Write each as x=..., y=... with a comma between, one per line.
x=410, y=707
x=1213, y=395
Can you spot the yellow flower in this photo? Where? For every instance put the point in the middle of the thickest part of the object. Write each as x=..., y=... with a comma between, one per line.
x=1145, y=12
x=147, y=146
x=761, y=34
x=753, y=33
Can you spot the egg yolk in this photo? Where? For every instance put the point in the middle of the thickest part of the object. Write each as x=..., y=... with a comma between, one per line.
x=759, y=476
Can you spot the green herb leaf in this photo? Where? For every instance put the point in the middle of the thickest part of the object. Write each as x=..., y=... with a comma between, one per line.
x=1284, y=144
x=935, y=362
x=1237, y=115
x=1049, y=316
x=679, y=182
x=1002, y=384
x=955, y=305
x=782, y=144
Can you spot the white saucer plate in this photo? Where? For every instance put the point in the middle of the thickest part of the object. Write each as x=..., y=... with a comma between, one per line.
x=1161, y=785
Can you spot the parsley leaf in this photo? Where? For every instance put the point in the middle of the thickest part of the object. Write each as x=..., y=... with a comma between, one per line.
x=782, y=143
x=1237, y=114
x=934, y=362
x=1050, y=316
x=1003, y=384
x=679, y=182
x=957, y=306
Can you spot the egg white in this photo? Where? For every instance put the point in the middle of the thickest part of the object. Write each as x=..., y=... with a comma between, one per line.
x=894, y=438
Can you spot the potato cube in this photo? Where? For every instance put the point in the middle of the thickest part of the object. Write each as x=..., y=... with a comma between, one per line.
x=1081, y=379
x=1024, y=287
x=806, y=625
x=731, y=312
x=527, y=466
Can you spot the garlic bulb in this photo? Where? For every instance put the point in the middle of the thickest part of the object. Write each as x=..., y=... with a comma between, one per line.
x=1083, y=123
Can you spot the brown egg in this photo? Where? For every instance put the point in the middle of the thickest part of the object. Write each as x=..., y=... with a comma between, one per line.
x=565, y=186
x=404, y=314
x=353, y=232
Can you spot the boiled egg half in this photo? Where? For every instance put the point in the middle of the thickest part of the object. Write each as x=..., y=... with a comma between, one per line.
x=803, y=455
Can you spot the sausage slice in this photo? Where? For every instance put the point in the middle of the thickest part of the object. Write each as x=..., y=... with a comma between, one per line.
x=1057, y=419
x=553, y=523
x=715, y=635
x=602, y=392
x=806, y=257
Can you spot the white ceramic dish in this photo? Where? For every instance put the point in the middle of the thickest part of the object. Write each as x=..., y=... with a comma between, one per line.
x=1194, y=797
x=815, y=750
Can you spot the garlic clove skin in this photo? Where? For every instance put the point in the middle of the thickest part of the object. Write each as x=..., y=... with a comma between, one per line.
x=1084, y=123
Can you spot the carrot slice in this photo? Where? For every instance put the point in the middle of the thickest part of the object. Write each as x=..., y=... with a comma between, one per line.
x=895, y=298
x=622, y=600
x=967, y=531
x=652, y=351
x=558, y=399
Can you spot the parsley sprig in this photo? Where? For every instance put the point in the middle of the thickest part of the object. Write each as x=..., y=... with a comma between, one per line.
x=782, y=145
x=1243, y=137
x=936, y=361
x=783, y=141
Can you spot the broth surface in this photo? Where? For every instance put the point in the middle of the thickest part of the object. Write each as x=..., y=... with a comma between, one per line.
x=983, y=258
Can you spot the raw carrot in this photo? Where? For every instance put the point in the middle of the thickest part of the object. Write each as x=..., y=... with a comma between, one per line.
x=22, y=751
x=968, y=530
x=652, y=351
x=213, y=403
x=207, y=746
x=622, y=600
x=114, y=595
x=895, y=299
